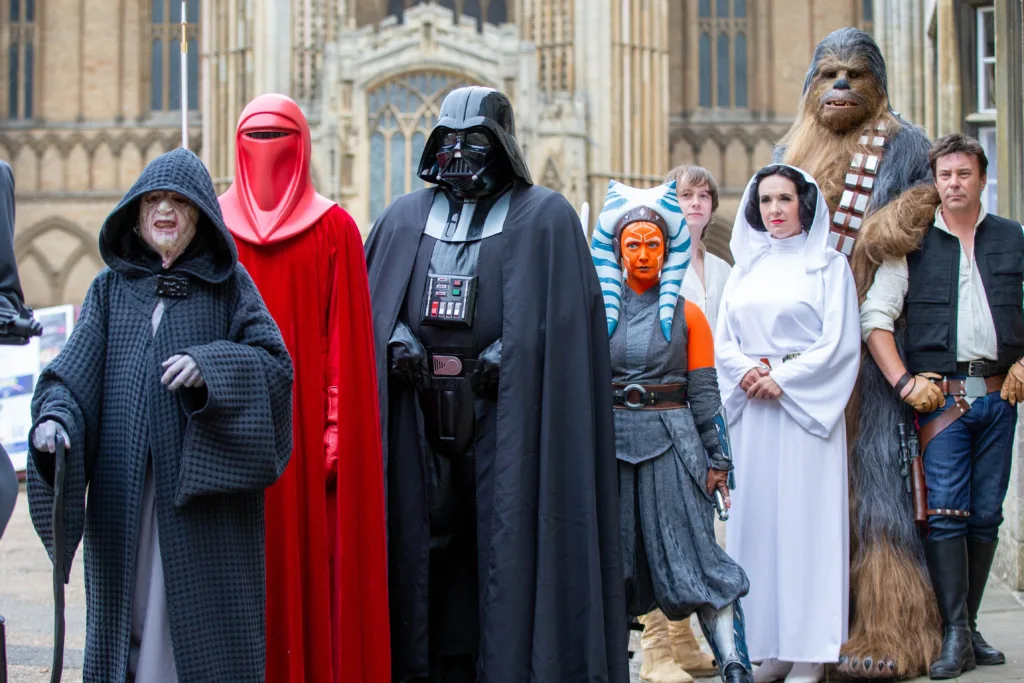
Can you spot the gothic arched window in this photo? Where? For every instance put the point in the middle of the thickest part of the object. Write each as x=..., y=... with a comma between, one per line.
x=403, y=111
x=21, y=58
x=722, y=54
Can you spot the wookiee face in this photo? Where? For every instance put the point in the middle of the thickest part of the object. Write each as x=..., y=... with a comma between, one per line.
x=844, y=93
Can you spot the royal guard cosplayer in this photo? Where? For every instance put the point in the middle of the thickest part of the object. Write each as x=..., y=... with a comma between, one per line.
x=671, y=438
x=492, y=355
x=327, y=617
x=871, y=166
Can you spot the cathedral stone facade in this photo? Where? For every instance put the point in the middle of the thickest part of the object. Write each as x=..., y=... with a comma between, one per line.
x=603, y=89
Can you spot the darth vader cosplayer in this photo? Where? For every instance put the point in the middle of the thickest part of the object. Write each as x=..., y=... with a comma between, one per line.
x=493, y=364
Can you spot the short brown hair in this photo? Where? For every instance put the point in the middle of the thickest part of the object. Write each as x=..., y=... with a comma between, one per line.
x=958, y=143
x=695, y=176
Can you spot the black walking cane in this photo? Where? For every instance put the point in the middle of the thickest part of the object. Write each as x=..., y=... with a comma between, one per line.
x=60, y=465
x=3, y=652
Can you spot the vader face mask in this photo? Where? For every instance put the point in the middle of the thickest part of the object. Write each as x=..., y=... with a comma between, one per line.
x=471, y=162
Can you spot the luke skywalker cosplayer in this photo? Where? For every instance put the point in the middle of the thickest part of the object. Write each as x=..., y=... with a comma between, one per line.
x=173, y=397
x=671, y=438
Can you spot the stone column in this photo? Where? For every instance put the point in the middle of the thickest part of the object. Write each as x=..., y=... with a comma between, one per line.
x=950, y=119
x=273, y=49
x=1009, y=21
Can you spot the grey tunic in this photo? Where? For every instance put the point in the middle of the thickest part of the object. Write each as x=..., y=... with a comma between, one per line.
x=666, y=515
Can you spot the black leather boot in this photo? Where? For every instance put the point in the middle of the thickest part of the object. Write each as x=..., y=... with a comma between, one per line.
x=736, y=673
x=979, y=562
x=947, y=566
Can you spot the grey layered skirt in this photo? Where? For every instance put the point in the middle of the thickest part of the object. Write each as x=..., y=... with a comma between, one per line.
x=670, y=555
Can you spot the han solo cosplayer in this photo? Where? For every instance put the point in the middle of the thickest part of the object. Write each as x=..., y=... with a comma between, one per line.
x=670, y=429
x=492, y=359
x=960, y=296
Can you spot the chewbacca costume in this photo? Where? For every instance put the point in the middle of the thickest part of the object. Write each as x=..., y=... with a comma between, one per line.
x=873, y=169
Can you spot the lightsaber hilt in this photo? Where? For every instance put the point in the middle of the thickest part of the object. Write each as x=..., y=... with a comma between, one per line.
x=184, y=74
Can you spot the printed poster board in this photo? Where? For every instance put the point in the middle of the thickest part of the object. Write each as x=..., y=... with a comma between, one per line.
x=19, y=369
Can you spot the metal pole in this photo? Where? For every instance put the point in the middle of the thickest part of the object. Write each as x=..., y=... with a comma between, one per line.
x=184, y=75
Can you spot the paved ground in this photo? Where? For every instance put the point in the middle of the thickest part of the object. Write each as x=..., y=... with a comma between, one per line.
x=26, y=603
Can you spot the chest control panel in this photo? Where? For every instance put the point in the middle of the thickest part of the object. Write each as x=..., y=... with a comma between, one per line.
x=451, y=300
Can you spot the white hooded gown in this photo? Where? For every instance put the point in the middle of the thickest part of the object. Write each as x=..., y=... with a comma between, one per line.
x=789, y=525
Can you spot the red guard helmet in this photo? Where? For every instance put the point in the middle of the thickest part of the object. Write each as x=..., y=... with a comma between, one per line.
x=272, y=197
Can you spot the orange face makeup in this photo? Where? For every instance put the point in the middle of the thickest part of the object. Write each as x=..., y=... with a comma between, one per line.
x=643, y=255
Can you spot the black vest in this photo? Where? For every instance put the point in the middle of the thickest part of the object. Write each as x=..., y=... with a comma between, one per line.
x=933, y=294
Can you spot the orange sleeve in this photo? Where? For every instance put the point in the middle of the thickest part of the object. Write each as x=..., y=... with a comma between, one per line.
x=700, y=346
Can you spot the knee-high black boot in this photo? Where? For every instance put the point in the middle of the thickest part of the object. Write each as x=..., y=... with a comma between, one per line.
x=947, y=565
x=979, y=562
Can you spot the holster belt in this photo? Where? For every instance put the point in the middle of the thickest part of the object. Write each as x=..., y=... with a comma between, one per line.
x=971, y=387
x=634, y=396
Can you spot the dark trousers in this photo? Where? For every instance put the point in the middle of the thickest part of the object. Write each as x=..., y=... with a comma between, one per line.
x=967, y=467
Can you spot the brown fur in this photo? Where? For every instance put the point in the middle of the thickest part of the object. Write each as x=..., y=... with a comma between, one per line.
x=892, y=607
x=875, y=572
x=894, y=230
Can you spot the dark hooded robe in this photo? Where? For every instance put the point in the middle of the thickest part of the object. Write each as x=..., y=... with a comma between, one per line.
x=548, y=597
x=211, y=450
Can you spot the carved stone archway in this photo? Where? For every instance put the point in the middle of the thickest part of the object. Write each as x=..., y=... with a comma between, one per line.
x=31, y=246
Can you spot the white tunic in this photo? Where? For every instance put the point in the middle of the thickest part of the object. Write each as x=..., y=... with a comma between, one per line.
x=789, y=524
x=708, y=296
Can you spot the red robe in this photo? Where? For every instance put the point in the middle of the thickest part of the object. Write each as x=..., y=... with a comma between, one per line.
x=327, y=612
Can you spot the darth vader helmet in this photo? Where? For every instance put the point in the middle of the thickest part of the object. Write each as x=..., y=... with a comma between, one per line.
x=472, y=149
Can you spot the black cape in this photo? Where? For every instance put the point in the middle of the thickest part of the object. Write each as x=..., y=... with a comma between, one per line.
x=552, y=594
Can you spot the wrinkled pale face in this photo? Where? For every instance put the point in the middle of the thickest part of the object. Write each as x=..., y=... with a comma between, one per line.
x=643, y=254
x=780, y=207
x=167, y=223
x=960, y=182
x=695, y=201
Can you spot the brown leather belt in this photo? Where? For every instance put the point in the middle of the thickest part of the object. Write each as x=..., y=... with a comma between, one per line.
x=636, y=396
x=970, y=387
x=959, y=388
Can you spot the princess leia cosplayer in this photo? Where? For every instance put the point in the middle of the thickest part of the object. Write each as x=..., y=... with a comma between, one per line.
x=670, y=436
x=787, y=353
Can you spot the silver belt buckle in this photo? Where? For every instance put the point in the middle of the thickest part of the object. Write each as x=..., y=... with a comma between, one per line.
x=629, y=389
x=974, y=387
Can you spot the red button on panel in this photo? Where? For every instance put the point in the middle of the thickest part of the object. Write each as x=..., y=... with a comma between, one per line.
x=433, y=309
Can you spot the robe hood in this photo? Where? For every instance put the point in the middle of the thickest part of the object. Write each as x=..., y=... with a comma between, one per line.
x=749, y=245
x=211, y=257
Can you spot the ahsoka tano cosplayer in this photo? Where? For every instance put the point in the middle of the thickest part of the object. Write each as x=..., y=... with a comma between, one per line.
x=670, y=431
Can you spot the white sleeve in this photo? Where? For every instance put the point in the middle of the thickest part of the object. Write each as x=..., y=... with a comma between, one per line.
x=884, y=301
x=817, y=385
x=731, y=363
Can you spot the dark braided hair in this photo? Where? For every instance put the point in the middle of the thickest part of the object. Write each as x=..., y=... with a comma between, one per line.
x=807, y=196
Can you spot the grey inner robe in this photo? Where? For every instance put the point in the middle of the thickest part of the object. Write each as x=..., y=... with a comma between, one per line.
x=151, y=658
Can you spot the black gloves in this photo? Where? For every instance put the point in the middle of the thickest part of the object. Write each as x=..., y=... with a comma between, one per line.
x=407, y=359
x=485, y=379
